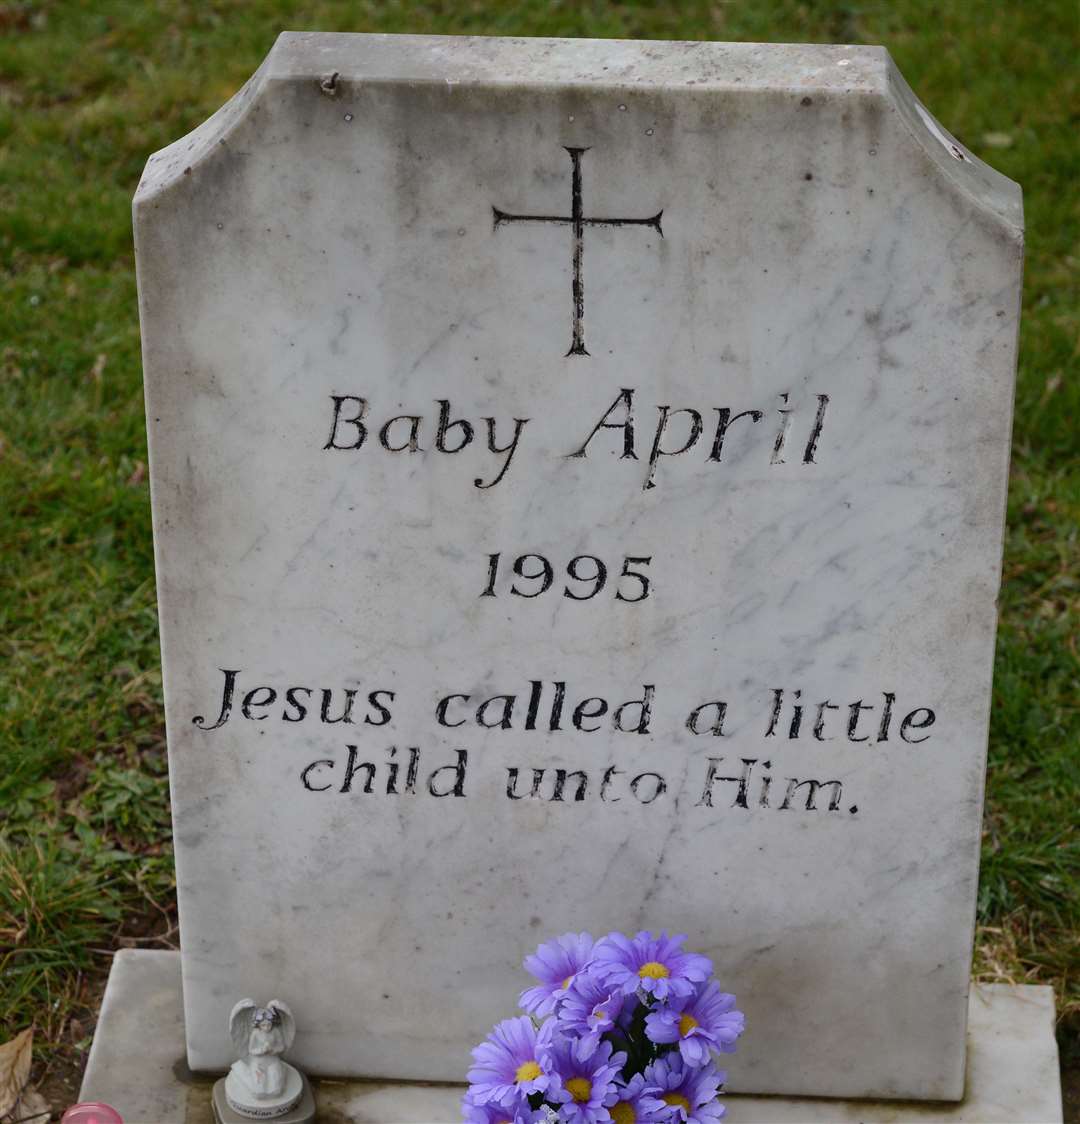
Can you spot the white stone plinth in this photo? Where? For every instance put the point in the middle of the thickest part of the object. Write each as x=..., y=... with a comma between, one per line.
x=137, y=1064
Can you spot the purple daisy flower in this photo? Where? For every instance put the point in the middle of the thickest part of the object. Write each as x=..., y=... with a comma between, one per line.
x=586, y=1079
x=684, y=1095
x=636, y=1103
x=590, y=1008
x=555, y=964
x=651, y=964
x=510, y=1063
x=493, y=1113
x=699, y=1023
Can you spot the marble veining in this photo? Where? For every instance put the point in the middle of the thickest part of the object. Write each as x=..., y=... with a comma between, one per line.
x=632, y=565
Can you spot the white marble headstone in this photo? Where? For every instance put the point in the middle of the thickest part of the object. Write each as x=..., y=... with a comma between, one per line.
x=578, y=473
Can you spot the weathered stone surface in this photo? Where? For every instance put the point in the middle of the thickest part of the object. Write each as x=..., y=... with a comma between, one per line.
x=557, y=264
x=1012, y=1075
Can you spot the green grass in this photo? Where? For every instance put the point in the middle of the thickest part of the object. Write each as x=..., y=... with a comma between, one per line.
x=87, y=91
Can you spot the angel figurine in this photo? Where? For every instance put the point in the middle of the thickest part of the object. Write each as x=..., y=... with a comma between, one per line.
x=260, y=1085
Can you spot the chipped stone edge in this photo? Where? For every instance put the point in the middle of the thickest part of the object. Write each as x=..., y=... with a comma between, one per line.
x=973, y=178
x=169, y=165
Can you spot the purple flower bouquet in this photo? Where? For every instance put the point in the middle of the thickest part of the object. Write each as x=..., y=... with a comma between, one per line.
x=621, y=1030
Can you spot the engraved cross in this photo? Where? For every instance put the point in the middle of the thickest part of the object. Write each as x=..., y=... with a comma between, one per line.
x=578, y=221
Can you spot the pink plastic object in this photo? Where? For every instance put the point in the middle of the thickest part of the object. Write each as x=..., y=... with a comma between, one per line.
x=92, y=1112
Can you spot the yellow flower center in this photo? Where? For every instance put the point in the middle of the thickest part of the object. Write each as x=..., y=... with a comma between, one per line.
x=623, y=1113
x=687, y=1024
x=566, y=982
x=678, y=1099
x=653, y=971
x=527, y=1071
x=580, y=1088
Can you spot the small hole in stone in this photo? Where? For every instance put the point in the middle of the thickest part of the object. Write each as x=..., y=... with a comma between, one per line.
x=808, y=176
x=808, y=101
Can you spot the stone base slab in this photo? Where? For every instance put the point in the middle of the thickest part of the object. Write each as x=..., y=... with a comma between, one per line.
x=137, y=1063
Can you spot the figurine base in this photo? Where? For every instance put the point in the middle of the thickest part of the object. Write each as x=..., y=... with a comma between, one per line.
x=302, y=1111
x=243, y=1101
